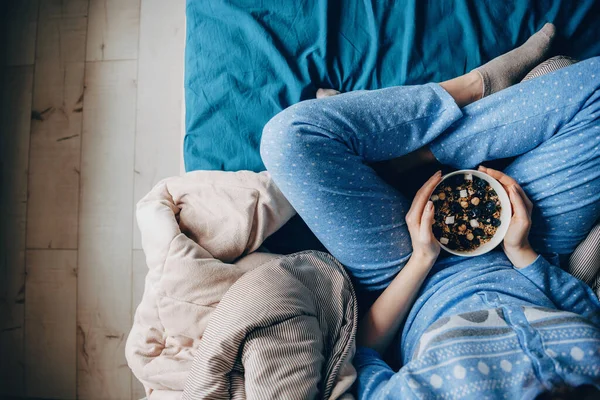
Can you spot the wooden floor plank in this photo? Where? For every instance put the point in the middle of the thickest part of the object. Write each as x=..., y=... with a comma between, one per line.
x=51, y=9
x=56, y=127
x=15, y=112
x=105, y=229
x=21, y=22
x=140, y=270
x=113, y=30
x=42, y=313
x=50, y=335
x=157, y=143
x=17, y=47
x=139, y=276
x=14, y=150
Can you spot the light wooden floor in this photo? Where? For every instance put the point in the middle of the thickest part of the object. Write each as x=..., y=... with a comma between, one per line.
x=90, y=119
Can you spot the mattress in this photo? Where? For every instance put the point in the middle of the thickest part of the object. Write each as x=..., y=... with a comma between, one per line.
x=246, y=60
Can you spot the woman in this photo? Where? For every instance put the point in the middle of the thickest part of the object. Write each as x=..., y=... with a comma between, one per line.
x=505, y=324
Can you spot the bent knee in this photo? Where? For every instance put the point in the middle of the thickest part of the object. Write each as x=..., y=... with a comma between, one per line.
x=282, y=136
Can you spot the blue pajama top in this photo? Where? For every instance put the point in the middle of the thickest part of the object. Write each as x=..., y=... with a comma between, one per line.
x=481, y=327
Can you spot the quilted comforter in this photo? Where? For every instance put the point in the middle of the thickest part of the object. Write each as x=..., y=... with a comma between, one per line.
x=200, y=235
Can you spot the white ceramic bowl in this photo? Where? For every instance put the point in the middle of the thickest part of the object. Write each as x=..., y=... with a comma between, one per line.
x=505, y=214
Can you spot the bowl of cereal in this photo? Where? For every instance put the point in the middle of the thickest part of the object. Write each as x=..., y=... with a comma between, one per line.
x=472, y=213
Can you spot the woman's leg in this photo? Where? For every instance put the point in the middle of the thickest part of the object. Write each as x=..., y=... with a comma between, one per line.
x=554, y=122
x=317, y=152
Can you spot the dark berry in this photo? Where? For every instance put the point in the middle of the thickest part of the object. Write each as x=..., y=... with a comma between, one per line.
x=464, y=242
x=475, y=242
x=496, y=222
x=455, y=180
x=480, y=183
x=475, y=212
x=437, y=231
x=455, y=207
x=490, y=206
x=478, y=232
x=451, y=245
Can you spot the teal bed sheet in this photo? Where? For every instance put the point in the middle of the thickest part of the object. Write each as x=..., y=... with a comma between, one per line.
x=248, y=59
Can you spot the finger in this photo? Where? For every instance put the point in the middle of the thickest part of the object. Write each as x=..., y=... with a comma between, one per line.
x=499, y=176
x=422, y=196
x=427, y=220
x=508, y=183
x=528, y=202
x=424, y=192
x=519, y=208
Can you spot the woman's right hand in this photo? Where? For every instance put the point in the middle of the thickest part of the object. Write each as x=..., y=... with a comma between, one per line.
x=516, y=241
x=419, y=220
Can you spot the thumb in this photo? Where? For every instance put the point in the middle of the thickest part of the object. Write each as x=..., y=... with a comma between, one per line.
x=519, y=208
x=427, y=220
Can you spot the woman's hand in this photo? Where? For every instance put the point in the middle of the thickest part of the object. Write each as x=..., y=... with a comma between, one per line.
x=516, y=242
x=419, y=220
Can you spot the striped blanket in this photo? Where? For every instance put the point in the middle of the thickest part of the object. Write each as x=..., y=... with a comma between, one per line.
x=283, y=331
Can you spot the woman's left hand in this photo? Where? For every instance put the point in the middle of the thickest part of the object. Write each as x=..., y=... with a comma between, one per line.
x=419, y=220
x=516, y=241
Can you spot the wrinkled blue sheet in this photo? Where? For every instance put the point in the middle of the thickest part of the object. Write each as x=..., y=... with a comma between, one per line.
x=248, y=59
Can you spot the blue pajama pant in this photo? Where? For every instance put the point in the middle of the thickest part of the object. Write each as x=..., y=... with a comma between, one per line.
x=319, y=151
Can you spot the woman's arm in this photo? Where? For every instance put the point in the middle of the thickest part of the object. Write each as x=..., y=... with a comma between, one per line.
x=379, y=326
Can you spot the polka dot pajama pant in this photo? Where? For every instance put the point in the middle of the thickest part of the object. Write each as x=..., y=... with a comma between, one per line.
x=319, y=151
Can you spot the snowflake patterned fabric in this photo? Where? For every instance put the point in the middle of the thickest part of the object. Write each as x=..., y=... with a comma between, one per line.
x=532, y=329
x=319, y=152
x=481, y=354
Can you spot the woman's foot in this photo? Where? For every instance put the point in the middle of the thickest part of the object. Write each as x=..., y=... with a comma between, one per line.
x=321, y=93
x=510, y=68
x=465, y=89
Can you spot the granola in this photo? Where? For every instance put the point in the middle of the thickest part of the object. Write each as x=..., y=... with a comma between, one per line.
x=467, y=212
